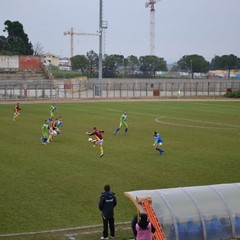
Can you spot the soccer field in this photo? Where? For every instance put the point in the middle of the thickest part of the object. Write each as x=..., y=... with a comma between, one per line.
x=58, y=185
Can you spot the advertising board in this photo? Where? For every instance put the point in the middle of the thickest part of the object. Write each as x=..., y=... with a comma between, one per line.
x=9, y=62
x=30, y=62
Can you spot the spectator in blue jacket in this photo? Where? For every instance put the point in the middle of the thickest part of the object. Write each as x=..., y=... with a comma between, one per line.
x=107, y=203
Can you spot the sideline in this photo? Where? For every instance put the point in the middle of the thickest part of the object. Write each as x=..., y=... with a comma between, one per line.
x=63, y=230
x=142, y=99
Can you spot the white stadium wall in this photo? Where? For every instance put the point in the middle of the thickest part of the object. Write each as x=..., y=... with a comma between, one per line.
x=9, y=62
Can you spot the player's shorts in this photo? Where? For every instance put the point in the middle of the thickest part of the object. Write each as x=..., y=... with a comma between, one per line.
x=53, y=132
x=100, y=142
x=45, y=135
x=160, y=143
x=123, y=124
x=16, y=113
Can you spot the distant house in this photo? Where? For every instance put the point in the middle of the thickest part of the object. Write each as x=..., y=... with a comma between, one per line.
x=51, y=59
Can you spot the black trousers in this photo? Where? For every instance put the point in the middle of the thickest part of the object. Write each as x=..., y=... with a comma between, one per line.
x=108, y=221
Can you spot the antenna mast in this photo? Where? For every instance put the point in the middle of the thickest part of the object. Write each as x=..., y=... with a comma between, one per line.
x=151, y=4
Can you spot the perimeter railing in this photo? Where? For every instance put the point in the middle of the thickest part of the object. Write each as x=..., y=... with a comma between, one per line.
x=54, y=89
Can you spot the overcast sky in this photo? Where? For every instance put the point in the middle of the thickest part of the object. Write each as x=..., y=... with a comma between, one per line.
x=183, y=27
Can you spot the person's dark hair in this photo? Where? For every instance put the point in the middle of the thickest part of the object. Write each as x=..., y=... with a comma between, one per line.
x=107, y=187
x=143, y=223
x=133, y=224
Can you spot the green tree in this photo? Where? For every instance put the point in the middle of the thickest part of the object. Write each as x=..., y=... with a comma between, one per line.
x=93, y=62
x=150, y=64
x=80, y=62
x=193, y=64
x=111, y=63
x=132, y=62
x=225, y=62
x=17, y=40
x=4, y=46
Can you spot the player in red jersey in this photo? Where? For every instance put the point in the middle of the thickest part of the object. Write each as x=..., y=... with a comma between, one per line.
x=16, y=112
x=99, y=138
x=53, y=131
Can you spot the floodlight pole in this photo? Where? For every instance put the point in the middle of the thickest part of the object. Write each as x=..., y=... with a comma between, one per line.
x=100, y=42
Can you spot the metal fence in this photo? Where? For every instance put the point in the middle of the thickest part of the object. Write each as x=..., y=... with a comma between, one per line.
x=87, y=89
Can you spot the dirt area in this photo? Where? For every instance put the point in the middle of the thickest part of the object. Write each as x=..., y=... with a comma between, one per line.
x=150, y=99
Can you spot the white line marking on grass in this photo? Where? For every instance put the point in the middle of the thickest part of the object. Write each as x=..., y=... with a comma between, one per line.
x=61, y=230
x=136, y=113
x=216, y=106
x=230, y=126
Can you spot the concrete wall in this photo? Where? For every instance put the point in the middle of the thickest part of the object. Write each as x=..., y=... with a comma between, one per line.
x=15, y=63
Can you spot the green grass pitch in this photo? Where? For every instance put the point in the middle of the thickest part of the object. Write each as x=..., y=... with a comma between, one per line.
x=58, y=185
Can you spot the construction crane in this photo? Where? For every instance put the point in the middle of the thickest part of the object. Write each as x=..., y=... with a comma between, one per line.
x=71, y=33
x=151, y=4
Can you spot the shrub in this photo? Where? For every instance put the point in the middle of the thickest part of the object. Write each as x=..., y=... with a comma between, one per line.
x=234, y=94
x=65, y=74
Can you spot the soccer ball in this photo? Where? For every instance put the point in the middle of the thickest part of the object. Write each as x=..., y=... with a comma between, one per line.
x=90, y=139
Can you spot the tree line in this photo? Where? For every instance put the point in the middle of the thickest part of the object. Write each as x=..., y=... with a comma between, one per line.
x=147, y=66
x=17, y=43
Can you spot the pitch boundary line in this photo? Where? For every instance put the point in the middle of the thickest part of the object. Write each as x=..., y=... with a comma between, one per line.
x=61, y=230
x=231, y=127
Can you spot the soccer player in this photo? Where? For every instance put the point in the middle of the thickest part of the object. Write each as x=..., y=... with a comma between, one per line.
x=16, y=112
x=52, y=134
x=59, y=122
x=45, y=132
x=123, y=123
x=99, y=138
x=52, y=131
x=49, y=120
x=158, y=142
x=53, y=109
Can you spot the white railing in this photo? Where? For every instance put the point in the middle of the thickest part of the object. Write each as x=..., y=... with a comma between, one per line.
x=50, y=90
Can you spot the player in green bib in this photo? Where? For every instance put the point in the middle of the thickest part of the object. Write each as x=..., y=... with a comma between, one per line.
x=53, y=109
x=45, y=132
x=123, y=123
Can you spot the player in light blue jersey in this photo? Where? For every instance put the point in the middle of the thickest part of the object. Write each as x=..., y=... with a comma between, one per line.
x=59, y=122
x=158, y=142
